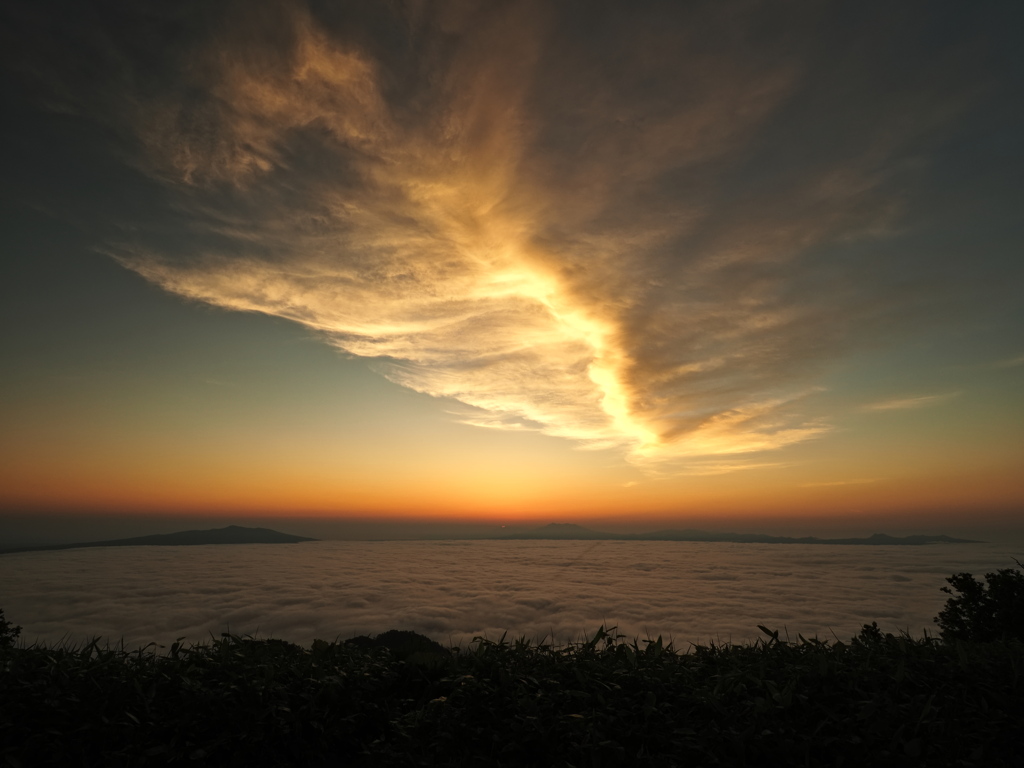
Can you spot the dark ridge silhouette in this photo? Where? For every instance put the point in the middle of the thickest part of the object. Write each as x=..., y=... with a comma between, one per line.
x=233, y=534
x=571, y=531
x=403, y=644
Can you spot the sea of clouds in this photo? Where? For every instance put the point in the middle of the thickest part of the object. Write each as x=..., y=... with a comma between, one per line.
x=456, y=590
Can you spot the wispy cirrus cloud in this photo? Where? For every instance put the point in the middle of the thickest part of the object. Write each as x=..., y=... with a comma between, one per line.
x=1011, y=362
x=907, y=403
x=596, y=226
x=830, y=483
x=708, y=468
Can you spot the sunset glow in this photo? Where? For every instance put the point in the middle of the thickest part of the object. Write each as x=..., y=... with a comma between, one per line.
x=512, y=262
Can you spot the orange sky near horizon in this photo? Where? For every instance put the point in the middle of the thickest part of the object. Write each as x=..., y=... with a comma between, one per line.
x=452, y=471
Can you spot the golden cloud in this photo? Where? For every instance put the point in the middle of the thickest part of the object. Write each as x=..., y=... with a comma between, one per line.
x=549, y=227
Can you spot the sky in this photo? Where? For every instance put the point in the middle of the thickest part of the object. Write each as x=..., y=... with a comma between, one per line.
x=510, y=262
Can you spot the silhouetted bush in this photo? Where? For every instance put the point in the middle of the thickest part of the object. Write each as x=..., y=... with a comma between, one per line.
x=403, y=645
x=879, y=700
x=8, y=632
x=984, y=612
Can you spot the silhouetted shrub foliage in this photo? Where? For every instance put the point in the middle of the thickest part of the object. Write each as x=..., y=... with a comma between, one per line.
x=402, y=700
x=8, y=632
x=983, y=612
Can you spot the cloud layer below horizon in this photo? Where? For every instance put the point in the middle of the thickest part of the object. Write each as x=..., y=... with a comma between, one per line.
x=454, y=591
x=643, y=230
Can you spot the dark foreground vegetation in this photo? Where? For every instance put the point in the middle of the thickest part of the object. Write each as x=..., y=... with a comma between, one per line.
x=401, y=699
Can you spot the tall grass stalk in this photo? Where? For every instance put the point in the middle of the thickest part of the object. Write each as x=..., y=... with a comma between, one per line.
x=879, y=699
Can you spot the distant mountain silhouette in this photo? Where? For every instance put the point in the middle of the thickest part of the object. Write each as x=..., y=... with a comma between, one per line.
x=571, y=531
x=233, y=534
x=567, y=531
